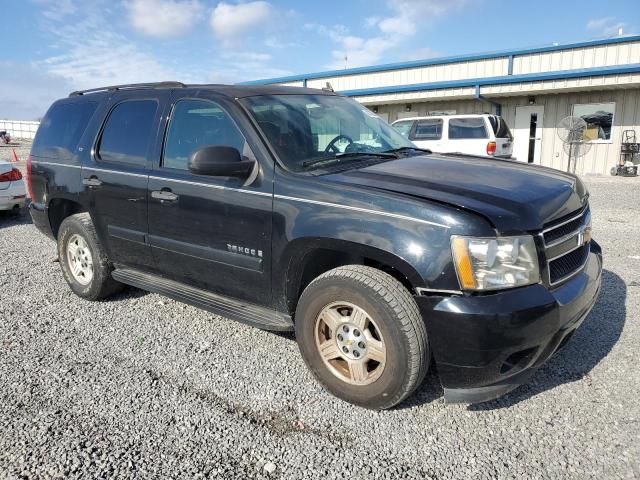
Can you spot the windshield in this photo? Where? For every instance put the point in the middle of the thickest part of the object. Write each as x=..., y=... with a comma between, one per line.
x=313, y=131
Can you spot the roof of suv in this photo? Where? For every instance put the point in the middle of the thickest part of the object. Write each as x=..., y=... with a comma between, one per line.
x=235, y=91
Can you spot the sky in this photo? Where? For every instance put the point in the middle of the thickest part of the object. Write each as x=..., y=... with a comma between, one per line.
x=52, y=47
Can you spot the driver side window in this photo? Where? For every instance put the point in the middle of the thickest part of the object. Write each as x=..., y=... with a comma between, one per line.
x=195, y=124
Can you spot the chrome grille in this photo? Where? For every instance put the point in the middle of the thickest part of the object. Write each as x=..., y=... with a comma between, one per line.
x=566, y=247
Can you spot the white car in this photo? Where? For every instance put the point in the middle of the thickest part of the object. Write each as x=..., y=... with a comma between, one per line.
x=479, y=134
x=12, y=189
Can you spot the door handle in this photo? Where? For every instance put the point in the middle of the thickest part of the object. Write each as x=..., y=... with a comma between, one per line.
x=92, y=181
x=164, y=195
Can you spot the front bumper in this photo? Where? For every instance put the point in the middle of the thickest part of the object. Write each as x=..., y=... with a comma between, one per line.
x=486, y=345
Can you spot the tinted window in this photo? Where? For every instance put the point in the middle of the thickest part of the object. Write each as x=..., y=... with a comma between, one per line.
x=128, y=131
x=460, y=128
x=403, y=127
x=61, y=128
x=500, y=127
x=430, y=129
x=195, y=124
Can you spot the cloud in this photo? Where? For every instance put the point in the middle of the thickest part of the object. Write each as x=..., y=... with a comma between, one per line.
x=229, y=22
x=605, y=26
x=393, y=29
x=163, y=18
x=420, y=54
x=56, y=10
x=235, y=66
x=406, y=14
x=26, y=91
x=358, y=51
x=104, y=56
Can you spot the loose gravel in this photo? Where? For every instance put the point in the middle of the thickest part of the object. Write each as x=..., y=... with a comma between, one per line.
x=141, y=386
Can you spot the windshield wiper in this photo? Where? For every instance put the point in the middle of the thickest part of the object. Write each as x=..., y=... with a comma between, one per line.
x=404, y=149
x=339, y=156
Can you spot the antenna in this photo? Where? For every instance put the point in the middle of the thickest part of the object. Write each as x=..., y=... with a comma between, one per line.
x=571, y=130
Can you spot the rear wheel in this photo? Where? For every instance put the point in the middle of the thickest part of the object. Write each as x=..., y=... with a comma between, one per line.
x=84, y=263
x=362, y=335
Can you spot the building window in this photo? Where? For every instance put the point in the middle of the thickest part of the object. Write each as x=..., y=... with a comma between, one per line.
x=599, y=118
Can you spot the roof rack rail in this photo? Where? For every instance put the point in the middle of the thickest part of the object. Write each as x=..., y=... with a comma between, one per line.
x=113, y=88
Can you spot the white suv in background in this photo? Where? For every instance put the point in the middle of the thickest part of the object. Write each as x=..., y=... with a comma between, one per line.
x=478, y=134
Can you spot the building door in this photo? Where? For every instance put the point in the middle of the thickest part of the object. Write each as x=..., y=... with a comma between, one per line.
x=527, y=134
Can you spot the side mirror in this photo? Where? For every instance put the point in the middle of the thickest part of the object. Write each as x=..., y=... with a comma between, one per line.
x=220, y=161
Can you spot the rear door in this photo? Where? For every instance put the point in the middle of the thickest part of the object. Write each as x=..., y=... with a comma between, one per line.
x=468, y=135
x=117, y=175
x=211, y=232
x=428, y=134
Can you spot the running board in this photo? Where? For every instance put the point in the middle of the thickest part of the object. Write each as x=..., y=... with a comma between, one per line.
x=250, y=314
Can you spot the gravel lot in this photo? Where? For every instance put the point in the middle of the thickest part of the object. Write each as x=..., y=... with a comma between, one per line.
x=144, y=387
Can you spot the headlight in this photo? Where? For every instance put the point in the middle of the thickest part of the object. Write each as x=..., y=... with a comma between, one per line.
x=495, y=263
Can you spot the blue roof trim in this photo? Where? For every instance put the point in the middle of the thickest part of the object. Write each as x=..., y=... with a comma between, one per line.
x=503, y=80
x=443, y=60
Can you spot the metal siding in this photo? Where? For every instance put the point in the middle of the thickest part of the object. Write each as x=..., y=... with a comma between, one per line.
x=433, y=73
x=587, y=57
x=629, y=39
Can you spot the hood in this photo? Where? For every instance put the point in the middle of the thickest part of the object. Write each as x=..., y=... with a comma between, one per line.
x=513, y=196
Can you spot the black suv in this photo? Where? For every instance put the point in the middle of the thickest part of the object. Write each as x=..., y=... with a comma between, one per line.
x=299, y=209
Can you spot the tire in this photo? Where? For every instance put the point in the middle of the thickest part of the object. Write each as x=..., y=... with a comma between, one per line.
x=392, y=323
x=78, y=229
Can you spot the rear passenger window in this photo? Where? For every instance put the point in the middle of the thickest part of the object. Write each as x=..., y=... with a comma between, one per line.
x=467, y=128
x=430, y=129
x=127, y=133
x=61, y=129
x=195, y=124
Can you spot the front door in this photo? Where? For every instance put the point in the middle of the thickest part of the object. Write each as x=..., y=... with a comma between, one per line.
x=527, y=135
x=210, y=232
x=116, y=176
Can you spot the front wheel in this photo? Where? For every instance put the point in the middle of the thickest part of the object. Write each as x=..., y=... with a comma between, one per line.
x=362, y=335
x=84, y=263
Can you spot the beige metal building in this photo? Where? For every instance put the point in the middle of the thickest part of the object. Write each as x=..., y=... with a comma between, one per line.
x=533, y=89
